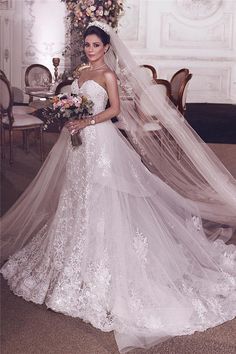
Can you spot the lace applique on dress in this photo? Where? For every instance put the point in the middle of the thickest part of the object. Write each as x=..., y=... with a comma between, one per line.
x=104, y=162
x=197, y=222
x=226, y=255
x=194, y=223
x=140, y=245
x=118, y=256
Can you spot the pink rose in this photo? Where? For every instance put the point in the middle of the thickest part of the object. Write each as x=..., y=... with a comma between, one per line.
x=99, y=11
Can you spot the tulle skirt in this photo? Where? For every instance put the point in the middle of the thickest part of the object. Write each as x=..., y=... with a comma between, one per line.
x=99, y=237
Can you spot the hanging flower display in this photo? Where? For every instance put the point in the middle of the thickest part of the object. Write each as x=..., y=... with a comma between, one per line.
x=82, y=12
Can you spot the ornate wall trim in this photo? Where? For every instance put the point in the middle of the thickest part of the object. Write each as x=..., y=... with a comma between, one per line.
x=197, y=34
x=177, y=34
x=38, y=48
x=198, y=10
x=132, y=26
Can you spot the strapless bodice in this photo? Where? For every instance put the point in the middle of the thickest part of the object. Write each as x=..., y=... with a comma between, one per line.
x=95, y=92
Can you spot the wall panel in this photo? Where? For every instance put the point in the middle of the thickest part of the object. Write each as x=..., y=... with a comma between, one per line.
x=199, y=35
x=169, y=34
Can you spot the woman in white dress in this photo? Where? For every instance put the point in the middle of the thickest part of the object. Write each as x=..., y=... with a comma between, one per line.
x=98, y=236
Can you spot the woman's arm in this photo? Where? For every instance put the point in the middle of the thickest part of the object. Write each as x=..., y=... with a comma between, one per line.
x=114, y=100
x=112, y=111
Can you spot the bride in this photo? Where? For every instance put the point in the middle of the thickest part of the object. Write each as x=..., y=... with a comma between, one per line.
x=114, y=232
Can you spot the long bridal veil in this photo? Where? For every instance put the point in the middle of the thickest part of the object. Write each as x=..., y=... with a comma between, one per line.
x=168, y=146
x=166, y=143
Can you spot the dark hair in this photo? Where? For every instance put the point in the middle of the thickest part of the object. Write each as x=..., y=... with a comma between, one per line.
x=105, y=38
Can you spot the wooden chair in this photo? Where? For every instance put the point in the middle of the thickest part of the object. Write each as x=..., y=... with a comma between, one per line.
x=179, y=85
x=37, y=77
x=18, y=109
x=16, y=122
x=150, y=70
x=164, y=88
x=176, y=81
x=181, y=101
x=165, y=85
x=64, y=87
x=3, y=74
x=145, y=108
x=22, y=109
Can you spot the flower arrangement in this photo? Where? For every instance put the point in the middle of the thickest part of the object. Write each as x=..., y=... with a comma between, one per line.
x=65, y=108
x=82, y=12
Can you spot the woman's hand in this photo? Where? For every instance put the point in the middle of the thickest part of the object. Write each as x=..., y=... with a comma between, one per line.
x=76, y=125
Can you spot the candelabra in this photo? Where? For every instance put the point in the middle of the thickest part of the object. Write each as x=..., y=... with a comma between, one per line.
x=56, y=62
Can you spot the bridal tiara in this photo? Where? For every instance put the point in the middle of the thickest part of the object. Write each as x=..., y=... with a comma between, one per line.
x=101, y=25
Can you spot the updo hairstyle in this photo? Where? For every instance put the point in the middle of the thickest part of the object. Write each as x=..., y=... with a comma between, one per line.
x=105, y=38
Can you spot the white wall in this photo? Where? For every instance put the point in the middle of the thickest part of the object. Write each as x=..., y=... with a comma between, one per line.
x=199, y=35
x=32, y=31
x=169, y=34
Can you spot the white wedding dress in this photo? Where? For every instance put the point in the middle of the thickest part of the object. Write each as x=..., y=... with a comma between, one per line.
x=123, y=251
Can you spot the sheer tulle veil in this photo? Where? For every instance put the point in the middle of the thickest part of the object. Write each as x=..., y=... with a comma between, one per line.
x=167, y=145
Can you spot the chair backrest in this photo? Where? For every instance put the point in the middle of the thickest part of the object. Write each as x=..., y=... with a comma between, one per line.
x=6, y=98
x=37, y=75
x=162, y=87
x=165, y=87
x=64, y=87
x=176, y=82
x=181, y=103
x=150, y=70
x=3, y=74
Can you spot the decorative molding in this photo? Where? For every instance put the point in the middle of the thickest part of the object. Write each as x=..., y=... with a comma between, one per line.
x=183, y=58
x=198, y=9
x=132, y=26
x=197, y=34
x=6, y=20
x=216, y=83
x=211, y=81
x=178, y=34
x=6, y=24
x=5, y=5
x=29, y=51
x=36, y=48
x=208, y=84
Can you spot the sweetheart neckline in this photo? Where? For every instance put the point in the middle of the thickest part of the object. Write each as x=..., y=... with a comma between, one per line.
x=80, y=87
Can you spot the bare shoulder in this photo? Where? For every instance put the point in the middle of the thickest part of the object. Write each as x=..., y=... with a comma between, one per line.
x=110, y=76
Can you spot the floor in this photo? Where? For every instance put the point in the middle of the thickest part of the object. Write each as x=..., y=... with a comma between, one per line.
x=33, y=329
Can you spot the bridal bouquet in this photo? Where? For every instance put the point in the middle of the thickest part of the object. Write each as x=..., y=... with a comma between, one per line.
x=64, y=108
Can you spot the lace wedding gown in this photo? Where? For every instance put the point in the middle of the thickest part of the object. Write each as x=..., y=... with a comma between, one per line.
x=123, y=251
